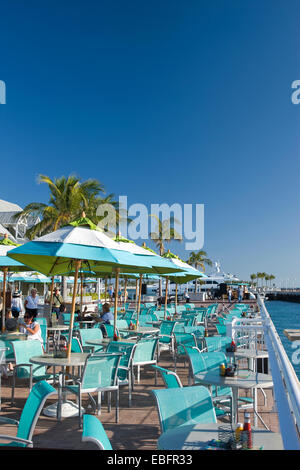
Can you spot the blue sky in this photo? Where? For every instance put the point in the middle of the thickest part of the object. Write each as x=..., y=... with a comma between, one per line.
x=172, y=101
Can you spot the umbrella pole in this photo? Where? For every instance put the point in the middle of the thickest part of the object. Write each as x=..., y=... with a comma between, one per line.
x=116, y=300
x=77, y=267
x=81, y=293
x=176, y=286
x=166, y=297
x=139, y=301
x=51, y=297
x=4, y=299
x=125, y=292
x=136, y=294
x=105, y=289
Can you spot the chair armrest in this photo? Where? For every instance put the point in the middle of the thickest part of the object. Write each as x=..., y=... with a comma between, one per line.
x=16, y=439
x=9, y=421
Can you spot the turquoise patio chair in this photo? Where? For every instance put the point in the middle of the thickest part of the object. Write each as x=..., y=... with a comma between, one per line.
x=166, y=336
x=125, y=370
x=93, y=431
x=171, y=379
x=26, y=370
x=99, y=374
x=89, y=334
x=145, y=354
x=30, y=414
x=181, y=340
x=183, y=406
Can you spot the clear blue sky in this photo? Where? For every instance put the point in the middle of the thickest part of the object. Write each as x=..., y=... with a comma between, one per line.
x=162, y=101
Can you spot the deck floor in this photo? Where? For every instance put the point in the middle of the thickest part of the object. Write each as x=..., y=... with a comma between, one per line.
x=138, y=427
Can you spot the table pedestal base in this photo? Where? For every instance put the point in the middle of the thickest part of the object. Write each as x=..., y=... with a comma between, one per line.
x=68, y=409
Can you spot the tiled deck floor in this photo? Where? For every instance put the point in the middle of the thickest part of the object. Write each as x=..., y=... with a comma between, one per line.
x=137, y=429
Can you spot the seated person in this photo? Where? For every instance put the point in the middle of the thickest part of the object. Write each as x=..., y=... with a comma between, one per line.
x=31, y=327
x=106, y=316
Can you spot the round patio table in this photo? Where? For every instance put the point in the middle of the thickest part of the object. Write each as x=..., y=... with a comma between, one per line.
x=141, y=330
x=198, y=437
x=66, y=408
x=244, y=379
x=107, y=341
x=251, y=354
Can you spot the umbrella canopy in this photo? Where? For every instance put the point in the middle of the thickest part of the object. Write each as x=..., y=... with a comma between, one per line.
x=82, y=244
x=187, y=273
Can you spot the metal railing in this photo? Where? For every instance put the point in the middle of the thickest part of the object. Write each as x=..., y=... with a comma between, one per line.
x=286, y=383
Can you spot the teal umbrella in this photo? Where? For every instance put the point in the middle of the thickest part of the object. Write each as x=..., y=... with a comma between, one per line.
x=187, y=274
x=81, y=246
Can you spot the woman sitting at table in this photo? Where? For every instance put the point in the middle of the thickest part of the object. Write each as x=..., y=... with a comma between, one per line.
x=31, y=327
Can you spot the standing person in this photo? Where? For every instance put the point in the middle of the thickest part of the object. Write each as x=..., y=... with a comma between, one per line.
x=16, y=304
x=57, y=302
x=240, y=294
x=229, y=294
x=31, y=303
x=186, y=296
x=110, y=293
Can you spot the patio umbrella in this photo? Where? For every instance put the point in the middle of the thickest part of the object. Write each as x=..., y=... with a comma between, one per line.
x=8, y=264
x=82, y=245
x=187, y=274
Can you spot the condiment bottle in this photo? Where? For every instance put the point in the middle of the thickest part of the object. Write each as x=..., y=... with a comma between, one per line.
x=239, y=428
x=247, y=428
x=233, y=346
x=206, y=332
x=222, y=369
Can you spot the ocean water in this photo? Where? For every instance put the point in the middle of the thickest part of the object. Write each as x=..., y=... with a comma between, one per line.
x=286, y=315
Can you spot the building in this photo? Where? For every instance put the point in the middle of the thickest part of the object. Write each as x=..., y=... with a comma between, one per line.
x=12, y=224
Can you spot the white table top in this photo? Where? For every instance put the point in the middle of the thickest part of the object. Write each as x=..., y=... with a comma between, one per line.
x=106, y=341
x=141, y=329
x=244, y=379
x=198, y=436
x=75, y=359
x=58, y=328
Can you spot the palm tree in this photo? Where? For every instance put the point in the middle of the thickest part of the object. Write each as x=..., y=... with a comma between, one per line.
x=253, y=277
x=165, y=233
x=267, y=278
x=271, y=277
x=69, y=197
x=199, y=259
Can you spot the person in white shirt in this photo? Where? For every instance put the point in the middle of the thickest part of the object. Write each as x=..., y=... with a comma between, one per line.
x=16, y=304
x=31, y=327
x=31, y=302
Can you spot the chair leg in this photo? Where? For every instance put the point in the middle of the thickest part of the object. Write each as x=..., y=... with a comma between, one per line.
x=109, y=401
x=129, y=389
x=99, y=400
x=117, y=405
x=13, y=388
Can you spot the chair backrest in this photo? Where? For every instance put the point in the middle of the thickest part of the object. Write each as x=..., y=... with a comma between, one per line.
x=196, y=360
x=66, y=317
x=76, y=345
x=166, y=330
x=42, y=320
x=127, y=351
x=9, y=352
x=33, y=407
x=100, y=369
x=178, y=406
x=109, y=329
x=145, y=351
x=171, y=380
x=93, y=431
x=217, y=343
x=23, y=351
x=43, y=328
x=88, y=334
x=184, y=339
x=121, y=324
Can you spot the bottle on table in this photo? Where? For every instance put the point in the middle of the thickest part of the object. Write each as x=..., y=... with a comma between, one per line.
x=247, y=430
